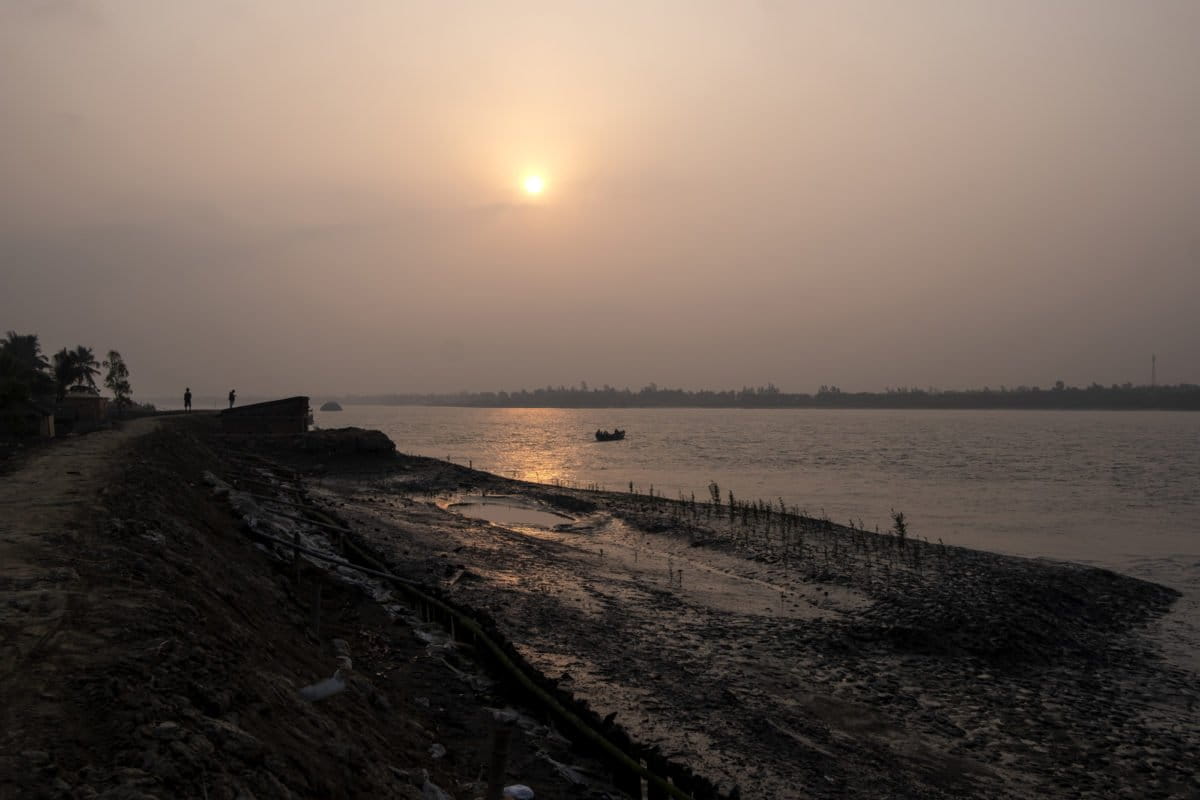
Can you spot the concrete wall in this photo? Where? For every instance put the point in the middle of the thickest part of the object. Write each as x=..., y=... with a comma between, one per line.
x=289, y=415
x=80, y=412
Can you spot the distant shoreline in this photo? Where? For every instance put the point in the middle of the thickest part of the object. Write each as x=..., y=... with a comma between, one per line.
x=772, y=408
x=1184, y=397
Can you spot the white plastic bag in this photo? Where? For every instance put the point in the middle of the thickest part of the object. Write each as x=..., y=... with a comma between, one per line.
x=325, y=688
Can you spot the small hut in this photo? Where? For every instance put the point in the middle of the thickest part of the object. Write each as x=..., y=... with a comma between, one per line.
x=79, y=413
x=28, y=418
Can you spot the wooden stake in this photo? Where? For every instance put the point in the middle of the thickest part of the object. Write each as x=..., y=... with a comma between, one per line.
x=501, y=739
x=316, y=611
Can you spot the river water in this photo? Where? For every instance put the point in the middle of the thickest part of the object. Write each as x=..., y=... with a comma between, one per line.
x=1114, y=489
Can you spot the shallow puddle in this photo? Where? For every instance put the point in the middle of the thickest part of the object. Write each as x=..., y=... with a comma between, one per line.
x=507, y=511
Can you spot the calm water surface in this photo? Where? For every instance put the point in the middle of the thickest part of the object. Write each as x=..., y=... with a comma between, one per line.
x=1118, y=489
x=1114, y=489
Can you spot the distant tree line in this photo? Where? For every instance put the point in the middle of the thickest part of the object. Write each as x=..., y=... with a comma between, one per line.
x=29, y=379
x=1181, y=397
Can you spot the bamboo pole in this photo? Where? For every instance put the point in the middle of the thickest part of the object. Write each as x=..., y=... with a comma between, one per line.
x=316, y=610
x=498, y=763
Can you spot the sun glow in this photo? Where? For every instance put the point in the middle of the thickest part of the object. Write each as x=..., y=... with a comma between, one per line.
x=533, y=184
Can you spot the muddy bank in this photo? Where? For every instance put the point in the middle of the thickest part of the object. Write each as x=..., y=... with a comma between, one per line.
x=792, y=657
x=151, y=649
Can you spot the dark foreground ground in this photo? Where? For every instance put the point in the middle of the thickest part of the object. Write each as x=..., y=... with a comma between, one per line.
x=150, y=648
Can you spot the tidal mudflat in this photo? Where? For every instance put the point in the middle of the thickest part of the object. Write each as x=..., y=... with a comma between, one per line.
x=792, y=657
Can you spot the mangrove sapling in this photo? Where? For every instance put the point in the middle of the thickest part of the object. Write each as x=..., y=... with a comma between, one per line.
x=899, y=526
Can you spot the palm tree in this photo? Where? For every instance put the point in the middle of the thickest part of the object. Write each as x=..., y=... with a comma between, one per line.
x=25, y=350
x=64, y=371
x=76, y=367
x=26, y=363
x=14, y=391
x=86, y=368
x=14, y=381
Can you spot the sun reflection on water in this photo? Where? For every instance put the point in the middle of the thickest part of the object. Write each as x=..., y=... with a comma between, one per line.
x=534, y=452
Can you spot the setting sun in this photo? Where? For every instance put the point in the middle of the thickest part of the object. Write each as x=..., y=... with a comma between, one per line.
x=534, y=184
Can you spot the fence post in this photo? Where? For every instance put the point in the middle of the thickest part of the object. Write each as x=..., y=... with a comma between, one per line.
x=501, y=739
x=296, y=557
x=653, y=790
x=316, y=610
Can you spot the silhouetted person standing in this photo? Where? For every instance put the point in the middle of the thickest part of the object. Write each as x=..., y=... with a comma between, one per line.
x=232, y=397
x=187, y=399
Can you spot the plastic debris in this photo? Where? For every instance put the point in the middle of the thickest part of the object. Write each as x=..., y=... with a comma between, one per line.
x=506, y=716
x=431, y=791
x=325, y=688
x=571, y=774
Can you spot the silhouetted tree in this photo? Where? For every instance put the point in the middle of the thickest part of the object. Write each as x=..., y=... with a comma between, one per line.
x=27, y=365
x=64, y=371
x=76, y=367
x=26, y=350
x=87, y=367
x=1181, y=397
x=117, y=379
x=15, y=390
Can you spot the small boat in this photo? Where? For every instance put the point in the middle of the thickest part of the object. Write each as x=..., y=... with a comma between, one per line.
x=605, y=436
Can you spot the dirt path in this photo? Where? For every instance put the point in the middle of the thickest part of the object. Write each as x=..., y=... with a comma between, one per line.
x=41, y=503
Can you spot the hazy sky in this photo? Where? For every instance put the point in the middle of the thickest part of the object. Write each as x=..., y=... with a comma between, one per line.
x=288, y=196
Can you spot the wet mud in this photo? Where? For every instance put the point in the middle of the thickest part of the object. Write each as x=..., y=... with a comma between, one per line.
x=783, y=656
